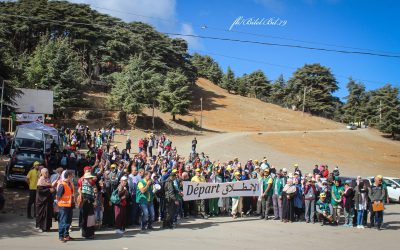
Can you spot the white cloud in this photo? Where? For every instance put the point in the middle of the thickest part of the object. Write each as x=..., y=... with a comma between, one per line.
x=193, y=42
x=159, y=13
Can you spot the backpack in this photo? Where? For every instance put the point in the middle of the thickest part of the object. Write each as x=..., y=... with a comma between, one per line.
x=115, y=199
x=64, y=161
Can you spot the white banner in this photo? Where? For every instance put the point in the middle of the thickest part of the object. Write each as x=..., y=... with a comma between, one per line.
x=205, y=190
x=24, y=117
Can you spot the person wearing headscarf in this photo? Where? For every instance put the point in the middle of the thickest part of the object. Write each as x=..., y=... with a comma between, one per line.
x=120, y=209
x=44, y=201
x=288, y=194
x=88, y=219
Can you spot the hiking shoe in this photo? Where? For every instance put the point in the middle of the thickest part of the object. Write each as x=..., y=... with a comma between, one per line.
x=62, y=240
x=68, y=238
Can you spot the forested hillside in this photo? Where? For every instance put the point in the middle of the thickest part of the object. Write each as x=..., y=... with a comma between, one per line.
x=68, y=47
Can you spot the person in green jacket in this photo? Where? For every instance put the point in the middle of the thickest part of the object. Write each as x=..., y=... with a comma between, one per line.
x=336, y=200
x=145, y=197
x=277, y=186
x=267, y=183
x=323, y=210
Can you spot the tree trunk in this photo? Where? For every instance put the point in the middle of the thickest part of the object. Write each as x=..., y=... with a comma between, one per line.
x=173, y=117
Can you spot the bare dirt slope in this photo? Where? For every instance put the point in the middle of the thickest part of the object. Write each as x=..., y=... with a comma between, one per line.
x=226, y=112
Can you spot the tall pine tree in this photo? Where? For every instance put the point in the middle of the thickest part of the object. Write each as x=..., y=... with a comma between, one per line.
x=175, y=95
x=228, y=81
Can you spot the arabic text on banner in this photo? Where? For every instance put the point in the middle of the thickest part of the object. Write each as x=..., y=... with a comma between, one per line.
x=199, y=191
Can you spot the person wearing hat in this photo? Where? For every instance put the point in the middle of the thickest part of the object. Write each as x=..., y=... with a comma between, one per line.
x=237, y=201
x=264, y=164
x=171, y=201
x=336, y=200
x=88, y=197
x=267, y=183
x=32, y=180
x=199, y=204
x=377, y=194
x=310, y=195
x=323, y=210
x=348, y=202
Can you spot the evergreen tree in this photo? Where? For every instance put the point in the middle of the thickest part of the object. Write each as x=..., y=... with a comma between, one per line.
x=174, y=97
x=384, y=110
x=55, y=65
x=208, y=68
x=241, y=86
x=278, y=88
x=228, y=81
x=258, y=85
x=319, y=84
x=354, y=109
x=135, y=87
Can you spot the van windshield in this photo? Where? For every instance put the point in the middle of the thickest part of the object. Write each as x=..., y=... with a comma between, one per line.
x=28, y=143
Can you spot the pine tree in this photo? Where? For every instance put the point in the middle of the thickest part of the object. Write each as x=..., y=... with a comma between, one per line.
x=175, y=95
x=319, y=84
x=135, y=87
x=228, y=81
x=258, y=85
x=55, y=65
x=277, y=95
x=385, y=104
x=354, y=109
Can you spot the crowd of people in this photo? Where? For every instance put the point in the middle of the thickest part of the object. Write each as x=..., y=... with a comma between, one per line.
x=117, y=189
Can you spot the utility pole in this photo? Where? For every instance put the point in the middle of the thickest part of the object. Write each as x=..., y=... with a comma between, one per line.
x=201, y=114
x=304, y=99
x=152, y=119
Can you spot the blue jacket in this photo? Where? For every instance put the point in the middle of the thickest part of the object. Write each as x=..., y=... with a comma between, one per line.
x=298, y=198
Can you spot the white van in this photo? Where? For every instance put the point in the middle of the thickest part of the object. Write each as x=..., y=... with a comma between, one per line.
x=36, y=136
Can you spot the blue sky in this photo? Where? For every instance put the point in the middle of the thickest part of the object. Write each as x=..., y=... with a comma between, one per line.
x=372, y=25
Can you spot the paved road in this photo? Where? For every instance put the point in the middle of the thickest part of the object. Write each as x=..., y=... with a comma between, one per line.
x=216, y=233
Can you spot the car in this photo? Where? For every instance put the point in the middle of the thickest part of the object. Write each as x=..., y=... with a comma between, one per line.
x=393, y=187
x=351, y=126
x=20, y=164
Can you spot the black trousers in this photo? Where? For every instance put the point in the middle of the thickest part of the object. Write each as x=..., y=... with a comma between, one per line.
x=31, y=201
x=169, y=213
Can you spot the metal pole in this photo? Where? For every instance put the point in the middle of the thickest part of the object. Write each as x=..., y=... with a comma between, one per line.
x=153, y=116
x=201, y=114
x=1, y=105
x=304, y=99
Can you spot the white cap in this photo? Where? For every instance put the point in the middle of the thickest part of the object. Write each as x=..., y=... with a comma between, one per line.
x=124, y=178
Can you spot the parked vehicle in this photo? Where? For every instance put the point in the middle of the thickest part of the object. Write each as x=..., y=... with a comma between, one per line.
x=20, y=164
x=351, y=126
x=393, y=187
x=35, y=135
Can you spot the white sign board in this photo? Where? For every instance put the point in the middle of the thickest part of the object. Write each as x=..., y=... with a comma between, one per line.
x=35, y=101
x=25, y=117
x=199, y=191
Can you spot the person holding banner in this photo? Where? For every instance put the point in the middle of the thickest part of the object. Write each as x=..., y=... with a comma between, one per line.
x=237, y=200
x=200, y=207
x=267, y=182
